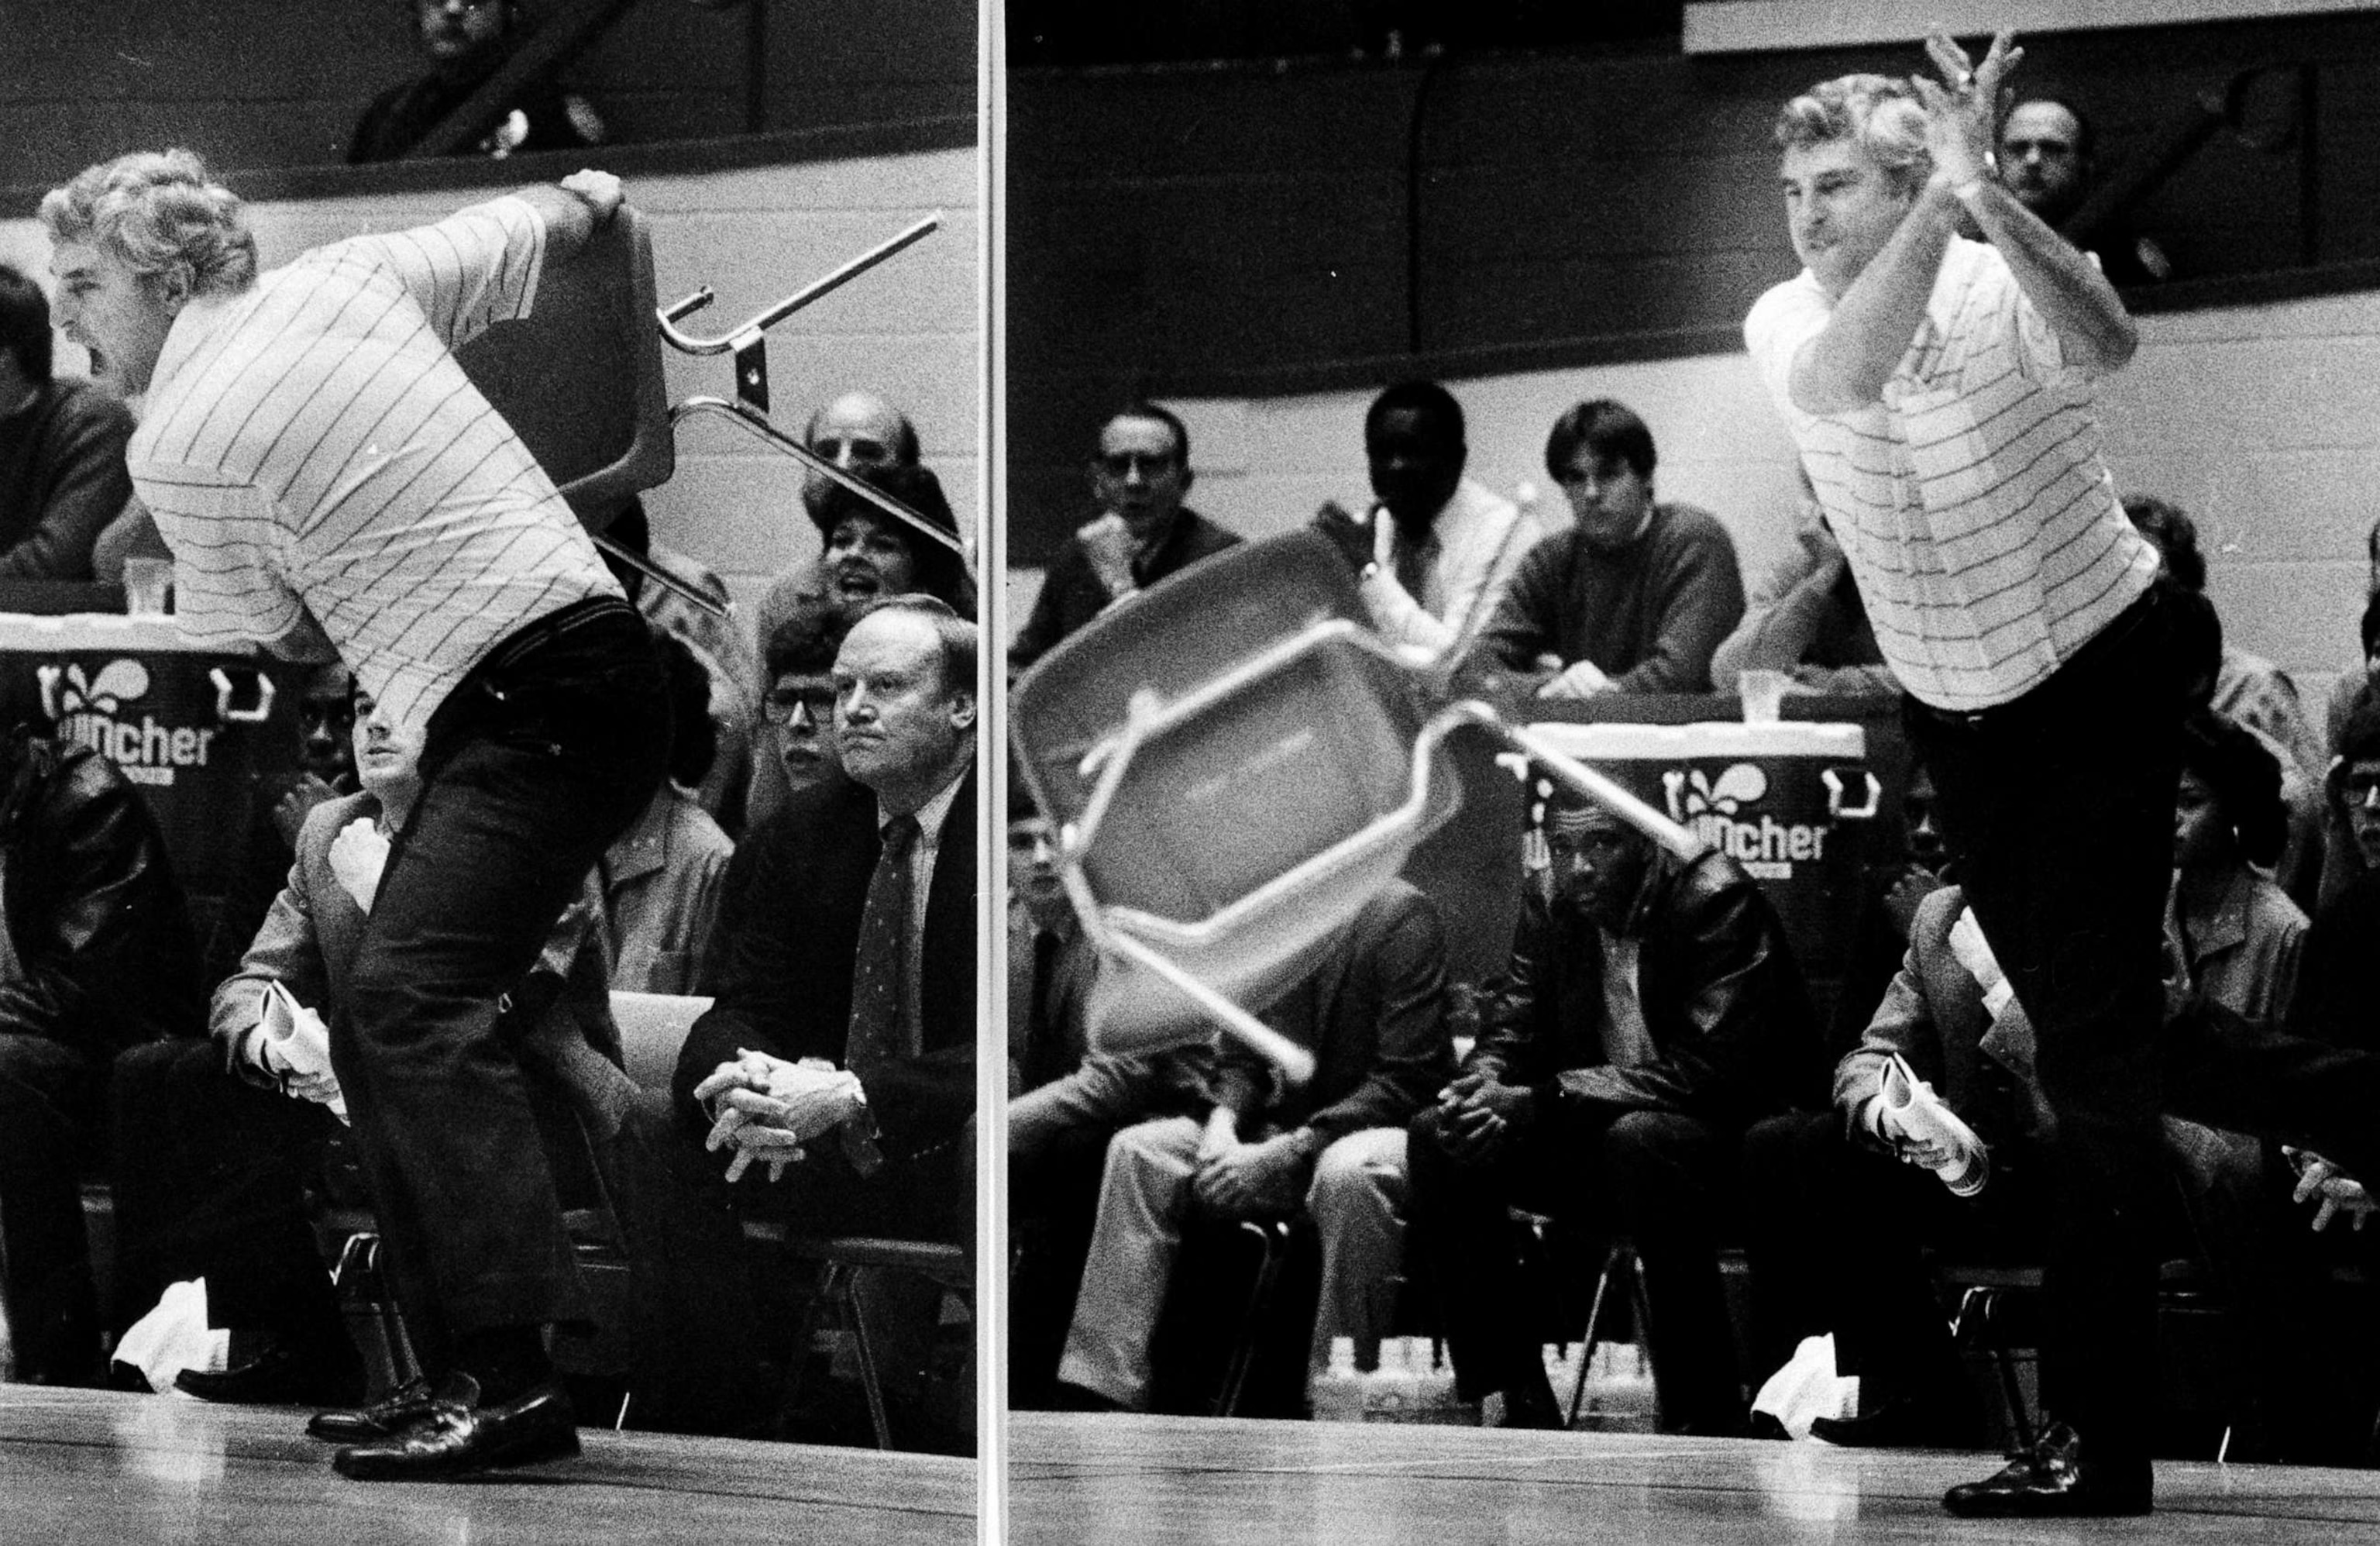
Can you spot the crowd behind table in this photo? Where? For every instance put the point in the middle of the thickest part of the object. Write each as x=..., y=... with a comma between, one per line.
x=1650, y=1062
x=828, y=1087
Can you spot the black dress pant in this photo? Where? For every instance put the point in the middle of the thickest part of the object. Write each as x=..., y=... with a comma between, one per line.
x=1663, y=1179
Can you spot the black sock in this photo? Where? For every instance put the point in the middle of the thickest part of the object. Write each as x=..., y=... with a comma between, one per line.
x=505, y=1361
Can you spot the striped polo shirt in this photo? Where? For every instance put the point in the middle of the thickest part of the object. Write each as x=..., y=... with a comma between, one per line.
x=1981, y=524
x=325, y=473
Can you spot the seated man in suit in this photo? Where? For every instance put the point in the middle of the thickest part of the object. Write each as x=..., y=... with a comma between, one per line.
x=213, y=1165
x=1838, y=1224
x=1651, y=1013
x=1070, y=1101
x=1373, y=1012
x=836, y=1069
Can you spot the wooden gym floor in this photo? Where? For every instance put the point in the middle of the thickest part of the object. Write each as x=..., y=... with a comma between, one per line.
x=1221, y=1482
x=101, y=1469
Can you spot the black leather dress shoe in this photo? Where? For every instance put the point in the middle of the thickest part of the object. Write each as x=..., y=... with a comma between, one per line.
x=393, y=1413
x=2052, y=1480
x=463, y=1434
x=280, y=1376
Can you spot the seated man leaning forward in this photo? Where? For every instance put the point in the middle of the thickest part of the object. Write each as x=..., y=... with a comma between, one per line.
x=835, y=1077
x=1636, y=595
x=1651, y=1013
x=1374, y=1014
x=213, y=1165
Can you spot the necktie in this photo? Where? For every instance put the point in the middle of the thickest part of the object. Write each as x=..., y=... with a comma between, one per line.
x=880, y=974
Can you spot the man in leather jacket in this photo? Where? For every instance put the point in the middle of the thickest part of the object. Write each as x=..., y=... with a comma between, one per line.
x=1652, y=1011
x=96, y=957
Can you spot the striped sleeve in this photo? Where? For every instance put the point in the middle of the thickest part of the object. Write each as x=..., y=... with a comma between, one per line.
x=477, y=267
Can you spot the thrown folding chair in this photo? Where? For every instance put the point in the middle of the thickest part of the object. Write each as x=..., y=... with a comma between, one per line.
x=1236, y=763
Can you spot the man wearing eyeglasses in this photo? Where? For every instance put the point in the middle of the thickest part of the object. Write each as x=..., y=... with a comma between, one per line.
x=1140, y=533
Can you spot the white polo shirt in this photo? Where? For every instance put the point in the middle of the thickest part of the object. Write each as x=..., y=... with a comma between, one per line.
x=1980, y=522
x=320, y=464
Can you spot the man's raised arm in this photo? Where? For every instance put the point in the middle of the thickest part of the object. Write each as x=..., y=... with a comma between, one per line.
x=2066, y=287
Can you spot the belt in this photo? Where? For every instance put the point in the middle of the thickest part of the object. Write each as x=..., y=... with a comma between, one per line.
x=2119, y=629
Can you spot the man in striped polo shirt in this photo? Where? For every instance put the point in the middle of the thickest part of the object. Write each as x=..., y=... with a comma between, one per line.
x=331, y=483
x=1938, y=390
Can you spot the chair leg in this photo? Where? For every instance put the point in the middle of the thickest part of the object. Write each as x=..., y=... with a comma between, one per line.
x=827, y=1290
x=1243, y=1349
x=1641, y=1301
x=855, y=1318
x=1978, y=1309
x=1592, y=1338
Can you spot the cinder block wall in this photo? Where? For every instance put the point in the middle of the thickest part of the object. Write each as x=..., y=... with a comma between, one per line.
x=909, y=329
x=2263, y=421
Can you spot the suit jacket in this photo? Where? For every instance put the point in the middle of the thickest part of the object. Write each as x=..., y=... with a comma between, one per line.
x=1933, y=1016
x=789, y=933
x=105, y=957
x=1729, y=1017
x=308, y=944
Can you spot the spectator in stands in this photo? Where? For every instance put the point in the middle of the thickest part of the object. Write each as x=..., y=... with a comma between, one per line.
x=826, y=954
x=2233, y=933
x=1804, y=617
x=1447, y=545
x=209, y=1181
x=62, y=475
x=1636, y=595
x=2248, y=688
x=1652, y=1011
x=1070, y=1101
x=2361, y=679
x=1889, y=913
x=96, y=957
x=718, y=644
x=2255, y=693
x=2234, y=939
x=858, y=429
x=1373, y=1012
x=1838, y=1227
x=326, y=770
x=1141, y=531
x=661, y=878
x=870, y=555
x=468, y=42
x=800, y=704
x=854, y=431
x=2046, y=157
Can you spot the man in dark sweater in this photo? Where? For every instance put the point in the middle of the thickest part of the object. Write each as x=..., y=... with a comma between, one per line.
x=1140, y=533
x=1636, y=595
x=62, y=475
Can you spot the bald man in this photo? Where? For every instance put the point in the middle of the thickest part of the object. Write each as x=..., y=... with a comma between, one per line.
x=856, y=430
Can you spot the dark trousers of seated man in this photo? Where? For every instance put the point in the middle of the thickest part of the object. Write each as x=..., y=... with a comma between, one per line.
x=1835, y=1235
x=688, y=1215
x=210, y=1176
x=1664, y=1180
x=52, y=1111
x=531, y=767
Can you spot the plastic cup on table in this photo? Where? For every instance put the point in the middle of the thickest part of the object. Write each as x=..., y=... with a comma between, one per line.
x=1762, y=693
x=147, y=583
